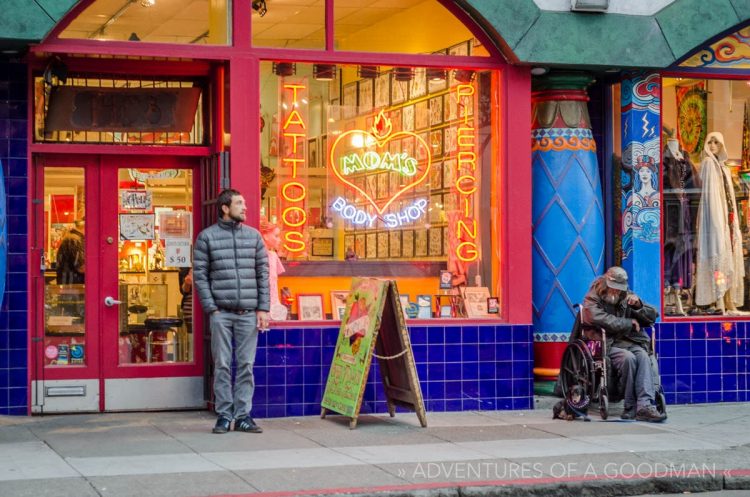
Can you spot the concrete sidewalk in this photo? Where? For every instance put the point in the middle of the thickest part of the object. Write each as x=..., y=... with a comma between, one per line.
x=699, y=448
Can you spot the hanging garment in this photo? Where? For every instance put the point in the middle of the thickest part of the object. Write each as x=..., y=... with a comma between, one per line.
x=719, y=264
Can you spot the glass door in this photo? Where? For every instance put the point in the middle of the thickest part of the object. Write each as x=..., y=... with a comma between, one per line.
x=114, y=240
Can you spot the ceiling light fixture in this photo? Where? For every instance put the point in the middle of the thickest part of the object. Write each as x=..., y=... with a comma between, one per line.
x=464, y=75
x=324, y=72
x=403, y=73
x=539, y=71
x=260, y=7
x=284, y=68
x=436, y=74
x=148, y=3
x=368, y=72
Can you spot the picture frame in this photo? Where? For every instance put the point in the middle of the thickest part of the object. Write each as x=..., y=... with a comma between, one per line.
x=310, y=307
x=395, y=117
x=312, y=153
x=418, y=84
x=349, y=242
x=450, y=107
x=137, y=226
x=323, y=152
x=436, y=142
x=366, y=92
x=407, y=243
x=399, y=90
x=394, y=243
x=382, y=185
x=175, y=224
x=360, y=245
x=322, y=247
x=446, y=279
x=372, y=246
x=449, y=173
x=334, y=88
x=421, y=115
x=475, y=301
x=383, y=90
x=424, y=305
x=450, y=140
x=405, y=303
x=338, y=303
x=422, y=152
x=493, y=305
x=383, y=245
x=436, y=214
x=446, y=311
x=436, y=241
x=436, y=111
x=407, y=118
x=349, y=100
x=420, y=242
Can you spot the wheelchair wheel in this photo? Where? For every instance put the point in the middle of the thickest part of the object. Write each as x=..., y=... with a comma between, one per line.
x=577, y=368
x=661, y=402
x=603, y=403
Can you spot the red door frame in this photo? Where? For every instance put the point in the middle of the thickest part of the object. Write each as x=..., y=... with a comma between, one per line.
x=102, y=325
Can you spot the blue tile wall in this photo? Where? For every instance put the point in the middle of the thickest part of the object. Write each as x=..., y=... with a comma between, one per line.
x=485, y=367
x=704, y=362
x=13, y=324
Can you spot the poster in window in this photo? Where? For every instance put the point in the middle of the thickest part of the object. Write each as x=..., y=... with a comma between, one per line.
x=338, y=303
x=420, y=242
x=450, y=106
x=436, y=173
x=383, y=90
x=137, y=226
x=450, y=143
x=451, y=203
x=475, y=300
x=366, y=92
x=360, y=245
x=418, y=85
x=436, y=111
x=334, y=113
x=371, y=186
x=461, y=50
x=407, y=121
x=322, y=247
x=407, y=146
x=407, y=243
x=449, y=173
x=395, y=117
x=436, y=142
x=383, y=185
x=383, y=245
x=175, y=224
x=395, y=243
x=436, y=241
x=692, y=116
x=421, y=115
x=372, y=246
x=394, y=146
x=421, y=152
x=136, y=200
x=399, y=90
x=436, y=210
x=313, y=159
x=310, y=307
x=349, y=102
x=349, y=243
x=395, y=183
x=178, y=252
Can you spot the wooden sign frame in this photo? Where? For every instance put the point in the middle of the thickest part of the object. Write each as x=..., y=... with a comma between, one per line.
x=373, y=326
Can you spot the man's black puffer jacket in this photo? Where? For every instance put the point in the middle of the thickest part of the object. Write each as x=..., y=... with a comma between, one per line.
x=230, y=268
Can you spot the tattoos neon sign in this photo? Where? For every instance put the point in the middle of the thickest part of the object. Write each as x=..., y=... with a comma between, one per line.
x=292, y=189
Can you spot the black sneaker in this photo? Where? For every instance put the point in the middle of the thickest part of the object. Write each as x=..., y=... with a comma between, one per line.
x=649, y=414
x=628, y=413
x=222, y=425
x=247, y=425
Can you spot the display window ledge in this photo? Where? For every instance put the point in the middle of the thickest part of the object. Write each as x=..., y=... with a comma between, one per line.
x=409, y=322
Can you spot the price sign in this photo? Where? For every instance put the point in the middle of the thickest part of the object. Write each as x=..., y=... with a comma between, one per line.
x=178, y=252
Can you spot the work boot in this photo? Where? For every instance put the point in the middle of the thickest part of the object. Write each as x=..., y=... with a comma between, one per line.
x=628, y=413
x=247, y=425
x=222, y=425
x=650, y=414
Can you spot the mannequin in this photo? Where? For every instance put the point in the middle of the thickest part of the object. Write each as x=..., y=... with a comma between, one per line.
x=679, y=176
x=720, y=268
x=272, y=239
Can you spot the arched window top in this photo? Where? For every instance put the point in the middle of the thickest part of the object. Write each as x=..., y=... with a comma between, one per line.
x=155, y=21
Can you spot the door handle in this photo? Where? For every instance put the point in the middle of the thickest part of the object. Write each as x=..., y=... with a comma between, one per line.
x=109, y=301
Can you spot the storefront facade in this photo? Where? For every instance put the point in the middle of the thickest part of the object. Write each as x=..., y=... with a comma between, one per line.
x=376, y=155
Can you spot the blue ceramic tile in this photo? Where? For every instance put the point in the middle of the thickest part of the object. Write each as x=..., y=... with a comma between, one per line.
x=418, y=335
x=294, y=375
x=522, y=369
x=436, y=353
x=503, y=352
x=699, y=383
x=682, y=397
x=521, y=403
x=453, y=353
x=522, y=352
x=667, y=366
x=487, y=370
x=682, y=331
x=435, y=390
x=470, y=405
x=713, y=348
x=311, y=409
x=682, y=348
x=470, y=389
x=17, y=358
x=276, y=394
x=487, y=352
x=470, y=334
x=330, y=336
x=521, y=334
x=698, y=365
x=698, y=397
x=294, y=394
x=278, y=337
x=521, y=388
x=729, y=396
x=453, y=334
x=713, y=396
x=453, y=405
x=470, y=371
x=504, y=370
x=295, y=410
x=729, y=364
x=276, y=410
x=728, y=382
x=453, y=370
x=665, y=331
x=682, y=382
x=312, y=393
x=420, y=353
x=668, y=382
x=435, y=372
x=698, y=347
x=452, y=389
x=666, y=348
x=17, y=378
x=436, y=406
x=504, y=388
x=295, y=338
x=17, y=397
x=503, y=334
x=311, y=337
x=487, y=389
x=435, y=335
x=729, y=347
x=421, y=370
x=713, y=365
x=712, y=330
x=470, y=352
x=311, y=356
x=713, y=383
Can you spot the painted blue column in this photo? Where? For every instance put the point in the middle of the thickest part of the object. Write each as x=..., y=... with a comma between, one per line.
x=641, y=213
x=568, y=218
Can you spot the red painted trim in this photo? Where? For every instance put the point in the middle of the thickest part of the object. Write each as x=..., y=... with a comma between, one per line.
x=95, y=149
x=330, y=26
x=376, y=58
x=548, y=95
x=438, y=322
x=516, y=206
x=524, y=482
x=129, y=67
x=242, y=25
x=218, y=128
x=129, y=48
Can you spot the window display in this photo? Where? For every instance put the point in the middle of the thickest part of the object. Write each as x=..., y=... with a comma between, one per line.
x=362, y=169
x=705, y=196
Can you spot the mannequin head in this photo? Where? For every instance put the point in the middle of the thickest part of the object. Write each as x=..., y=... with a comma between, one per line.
x=714, y=147
x=270, y=233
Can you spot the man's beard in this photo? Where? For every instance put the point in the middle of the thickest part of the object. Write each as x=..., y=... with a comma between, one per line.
x=237, y=218
x=612, y=299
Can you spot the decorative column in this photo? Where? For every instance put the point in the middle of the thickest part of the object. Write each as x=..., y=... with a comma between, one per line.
x=567, y=212
x=641, y=214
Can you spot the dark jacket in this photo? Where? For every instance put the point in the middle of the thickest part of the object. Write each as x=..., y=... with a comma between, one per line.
x=617, y=320
x=230, y=268
x=71, y=259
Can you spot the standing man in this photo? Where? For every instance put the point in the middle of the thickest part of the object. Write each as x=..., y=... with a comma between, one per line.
x=71, y=256
x=230, y=273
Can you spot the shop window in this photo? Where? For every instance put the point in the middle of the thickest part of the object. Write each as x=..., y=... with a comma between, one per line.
x=289, y=24
x=153, y=21
x=381, y=171
x=89, y=109
x=706, y=179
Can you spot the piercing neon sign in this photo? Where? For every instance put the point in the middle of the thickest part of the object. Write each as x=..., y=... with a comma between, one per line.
x=466, y=181
x=292, y=189
x=372, y=155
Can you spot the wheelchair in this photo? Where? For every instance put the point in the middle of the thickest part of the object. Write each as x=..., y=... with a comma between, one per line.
x=587, y=363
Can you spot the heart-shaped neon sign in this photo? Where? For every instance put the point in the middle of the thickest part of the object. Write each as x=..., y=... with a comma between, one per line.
x=358, y=151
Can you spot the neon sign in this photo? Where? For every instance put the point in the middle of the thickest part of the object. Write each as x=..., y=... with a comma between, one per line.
x=372, y=155
x=466, y=181
x=357, y=216
x=292, y=189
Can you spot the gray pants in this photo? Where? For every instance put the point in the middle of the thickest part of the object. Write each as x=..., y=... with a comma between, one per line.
x=633, y=366
x=226, y=326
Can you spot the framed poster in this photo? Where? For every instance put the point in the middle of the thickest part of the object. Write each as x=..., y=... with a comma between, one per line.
x=175, y=224
x=445, y=279
x=349, y=100
x=418, y=84
x=371, y=185
x=372, y=246
x=475, y=300
x=383, y=245
x=334, y=88
x=424, y=304
x=446, y=249
x=137, y=227
x=360, y=245
x=493, y=305
x=421, y=115
x=449, y=173
x=365, y=96
x=407, y=243
x=436, y=142
x=399, y=90
x=436, y=241
x=420, y=242
x=383, y=90
x=310, y=307
x=436, y=111
x=450, y=140
x=349, y=242
x=395, y=117
x=394, y=243
x=437, y=85
x=338, y=303
x=407, y=118
x=383, y=185
x=436, y=173
x=313, y=159
x=450, y=106
x=407, y=146
x=322, y=247
x=136, y=200
x=420, y=151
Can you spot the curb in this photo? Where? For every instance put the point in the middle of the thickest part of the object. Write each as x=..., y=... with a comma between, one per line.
x=543, y=487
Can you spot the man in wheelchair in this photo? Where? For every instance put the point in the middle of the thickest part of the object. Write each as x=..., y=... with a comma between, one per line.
x=609, y=305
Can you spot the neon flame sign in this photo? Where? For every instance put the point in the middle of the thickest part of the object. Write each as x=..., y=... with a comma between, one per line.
x=292, y=189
